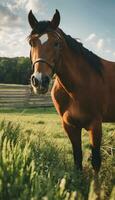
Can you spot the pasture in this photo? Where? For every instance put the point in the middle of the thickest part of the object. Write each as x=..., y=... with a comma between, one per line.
x=36, y=161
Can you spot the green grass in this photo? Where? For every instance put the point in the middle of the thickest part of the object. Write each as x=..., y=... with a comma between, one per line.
x=36, y=161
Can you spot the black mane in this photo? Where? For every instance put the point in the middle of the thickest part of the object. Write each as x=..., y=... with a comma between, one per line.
x=91, y=58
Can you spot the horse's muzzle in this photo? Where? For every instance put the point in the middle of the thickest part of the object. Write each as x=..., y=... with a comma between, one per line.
x=40, y=85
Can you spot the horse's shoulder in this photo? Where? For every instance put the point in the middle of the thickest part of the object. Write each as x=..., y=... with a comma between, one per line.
x=60, y=97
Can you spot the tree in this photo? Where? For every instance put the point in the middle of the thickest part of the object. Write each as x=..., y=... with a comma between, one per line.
x=15, y=70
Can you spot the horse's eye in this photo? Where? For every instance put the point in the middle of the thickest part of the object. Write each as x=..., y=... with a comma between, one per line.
x=33, y=43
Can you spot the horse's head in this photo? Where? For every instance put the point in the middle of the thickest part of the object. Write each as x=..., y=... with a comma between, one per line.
x=45, y=42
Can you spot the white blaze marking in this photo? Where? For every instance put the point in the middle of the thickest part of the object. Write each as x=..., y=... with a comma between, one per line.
x=38, y=76
x=43, y=38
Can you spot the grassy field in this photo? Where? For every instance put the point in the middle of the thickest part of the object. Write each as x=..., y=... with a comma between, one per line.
x=36, y=160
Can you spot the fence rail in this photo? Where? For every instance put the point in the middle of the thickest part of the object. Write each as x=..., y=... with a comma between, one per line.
x=19, y=96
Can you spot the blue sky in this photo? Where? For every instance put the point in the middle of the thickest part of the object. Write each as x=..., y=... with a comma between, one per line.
x=93, y=21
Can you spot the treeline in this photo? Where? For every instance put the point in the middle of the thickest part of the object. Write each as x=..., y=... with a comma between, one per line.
x=15, y=70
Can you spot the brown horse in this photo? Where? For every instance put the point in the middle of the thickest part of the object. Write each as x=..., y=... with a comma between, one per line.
x=84, y=89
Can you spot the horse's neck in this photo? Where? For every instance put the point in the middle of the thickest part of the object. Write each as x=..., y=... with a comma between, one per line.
x=70, y=73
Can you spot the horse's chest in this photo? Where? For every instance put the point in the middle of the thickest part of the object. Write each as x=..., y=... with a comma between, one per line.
x=71, y=109
x=74, y=114
x=81, y=113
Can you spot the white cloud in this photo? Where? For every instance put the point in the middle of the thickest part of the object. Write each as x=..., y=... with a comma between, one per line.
x=34, y=5
x=26, y=5
x=2, y=53
x=8, y=18
x=13, y=42
x=107, y=50
x=91, y=37
x=100, y=44
x=14, y=26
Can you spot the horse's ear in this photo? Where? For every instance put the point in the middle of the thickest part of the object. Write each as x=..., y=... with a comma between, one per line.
x=55, y=20
x=32, y=20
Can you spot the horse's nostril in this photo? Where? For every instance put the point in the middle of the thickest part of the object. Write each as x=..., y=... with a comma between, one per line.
x=35, y=81
x=45, y=81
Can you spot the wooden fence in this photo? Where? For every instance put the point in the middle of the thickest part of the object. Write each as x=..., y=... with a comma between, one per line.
x=19, y=96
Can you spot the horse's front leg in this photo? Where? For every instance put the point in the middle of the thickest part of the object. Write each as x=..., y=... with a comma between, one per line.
x=74, y=134
x=95, y=140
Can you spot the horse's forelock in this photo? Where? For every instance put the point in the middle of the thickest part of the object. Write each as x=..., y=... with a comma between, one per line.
x=41, y=28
